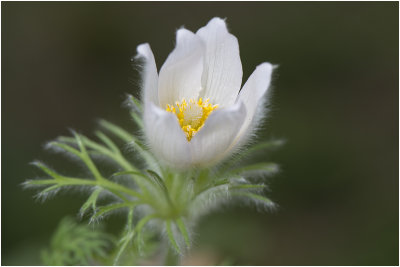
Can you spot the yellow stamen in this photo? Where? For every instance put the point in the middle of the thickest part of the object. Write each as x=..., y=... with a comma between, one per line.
x=191, y=114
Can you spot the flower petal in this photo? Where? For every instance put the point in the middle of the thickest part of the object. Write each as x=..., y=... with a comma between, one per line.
x=165, y=136
x=215, y=140
x=180, y=76
x=149, y=75
x=252, y=93
x=222, y=76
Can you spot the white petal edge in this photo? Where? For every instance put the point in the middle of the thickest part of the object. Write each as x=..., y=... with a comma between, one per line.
x=251, y=95
x=222, y=76
x=180, y=76
x=214, y=141
x=165, y=137
x=149, y=73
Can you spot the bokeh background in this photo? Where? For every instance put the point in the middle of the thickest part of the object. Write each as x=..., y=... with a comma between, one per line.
x=335, y=101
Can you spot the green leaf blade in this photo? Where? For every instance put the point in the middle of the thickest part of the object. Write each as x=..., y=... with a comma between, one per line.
x=171, y=237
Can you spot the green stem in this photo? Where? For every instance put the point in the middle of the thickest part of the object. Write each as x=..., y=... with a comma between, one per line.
x=171, y=257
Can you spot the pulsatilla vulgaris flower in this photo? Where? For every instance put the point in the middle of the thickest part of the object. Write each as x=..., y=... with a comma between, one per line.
x=194, y=111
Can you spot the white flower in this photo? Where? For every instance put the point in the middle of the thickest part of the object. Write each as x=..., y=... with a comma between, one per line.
x=194, y=114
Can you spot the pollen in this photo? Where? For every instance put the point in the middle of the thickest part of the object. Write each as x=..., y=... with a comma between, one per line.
x=191, y=114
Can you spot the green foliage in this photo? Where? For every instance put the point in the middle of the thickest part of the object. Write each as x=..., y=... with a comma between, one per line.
x=76, y=244
x=156, y=199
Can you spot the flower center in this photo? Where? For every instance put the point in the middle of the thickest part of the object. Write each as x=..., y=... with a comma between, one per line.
x=191, y=114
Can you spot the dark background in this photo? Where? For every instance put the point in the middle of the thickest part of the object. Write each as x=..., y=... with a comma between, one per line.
x=335, y=101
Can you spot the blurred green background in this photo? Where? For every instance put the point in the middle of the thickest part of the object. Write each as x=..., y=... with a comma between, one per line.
x=335, y=101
